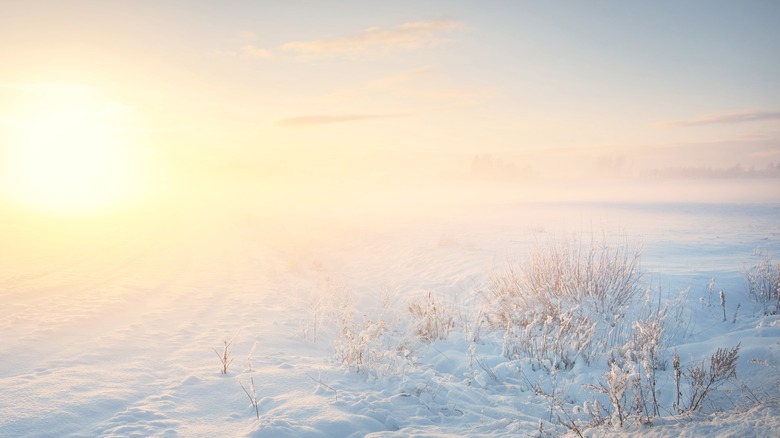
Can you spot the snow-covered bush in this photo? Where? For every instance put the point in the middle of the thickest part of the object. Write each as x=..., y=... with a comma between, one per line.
x=630, y=389
x=365, y=343
x=652, y=332
x=553, y=341
x=628, y=392
x=328, y=301
x=569, y=299
x=370, y=344
x=617, y=383
x=648, y=340
x=362, y=347
x=433, y=319
x=764, y=283
x=702, y=380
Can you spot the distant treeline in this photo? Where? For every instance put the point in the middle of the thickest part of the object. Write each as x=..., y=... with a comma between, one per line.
x=771, y=170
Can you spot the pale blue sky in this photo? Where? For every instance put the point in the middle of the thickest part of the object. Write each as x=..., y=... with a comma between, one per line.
x=553, y=85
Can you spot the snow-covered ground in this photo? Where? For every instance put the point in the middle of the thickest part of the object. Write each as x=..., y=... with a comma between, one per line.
x=112, y=331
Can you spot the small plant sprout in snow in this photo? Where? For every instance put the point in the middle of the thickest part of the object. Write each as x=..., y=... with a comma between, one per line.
x=677, y=376
x=251, y=392
x=710, y=289
x=225, y=357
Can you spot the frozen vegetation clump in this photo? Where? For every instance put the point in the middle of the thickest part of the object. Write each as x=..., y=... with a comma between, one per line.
x=568, y=300
x=631, y=390
x=573, y=326
x=372, y=343
x=433, y=319
x=764, y=283
x=703, y=380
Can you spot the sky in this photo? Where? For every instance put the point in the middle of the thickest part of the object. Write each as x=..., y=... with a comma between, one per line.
x=354, y=92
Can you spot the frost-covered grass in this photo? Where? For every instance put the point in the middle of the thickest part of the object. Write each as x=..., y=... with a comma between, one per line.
x=398, y=332
x=568, y=301
x=764, y=282
x=566, y=312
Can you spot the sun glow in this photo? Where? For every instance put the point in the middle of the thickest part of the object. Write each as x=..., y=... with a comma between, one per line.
x=69, y=157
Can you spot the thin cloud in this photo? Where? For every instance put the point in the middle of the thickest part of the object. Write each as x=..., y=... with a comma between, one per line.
x=253, y=51
x=325, y=119
x=376, y=40
x=247, y=51
x=245, y=46
x=731, y=118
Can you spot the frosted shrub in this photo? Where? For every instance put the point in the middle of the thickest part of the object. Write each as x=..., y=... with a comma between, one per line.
x=433, y=319
x=370, y=346
x=631, y=384
x=627, y=390
x=554, y=342
x=373, y=349
x=652, y=332
x=595, y=274
x=764, y=283
x=567, y=300
x=630, y=392
x=619, y=382
x=648, y=337
x=364, y=347
x=327, y=302
x=702, y=380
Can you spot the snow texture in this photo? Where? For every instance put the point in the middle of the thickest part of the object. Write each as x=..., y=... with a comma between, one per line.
x=117, y=338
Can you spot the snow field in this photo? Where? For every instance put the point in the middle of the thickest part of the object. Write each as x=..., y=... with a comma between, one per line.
x=127, y=351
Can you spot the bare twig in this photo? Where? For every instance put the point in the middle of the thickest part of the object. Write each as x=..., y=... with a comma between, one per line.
x=224, y=357
x=335, y=391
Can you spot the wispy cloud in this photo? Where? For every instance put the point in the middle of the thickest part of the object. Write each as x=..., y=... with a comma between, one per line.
x=376, y=40
x=245, y=44
x=369, y=42
x=730, y=118
x=329, y=119
x=253, y=51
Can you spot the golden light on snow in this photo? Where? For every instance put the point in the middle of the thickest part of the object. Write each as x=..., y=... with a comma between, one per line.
x=69, y=157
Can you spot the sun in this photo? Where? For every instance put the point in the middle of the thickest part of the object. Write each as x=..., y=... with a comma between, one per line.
x=69, y=157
